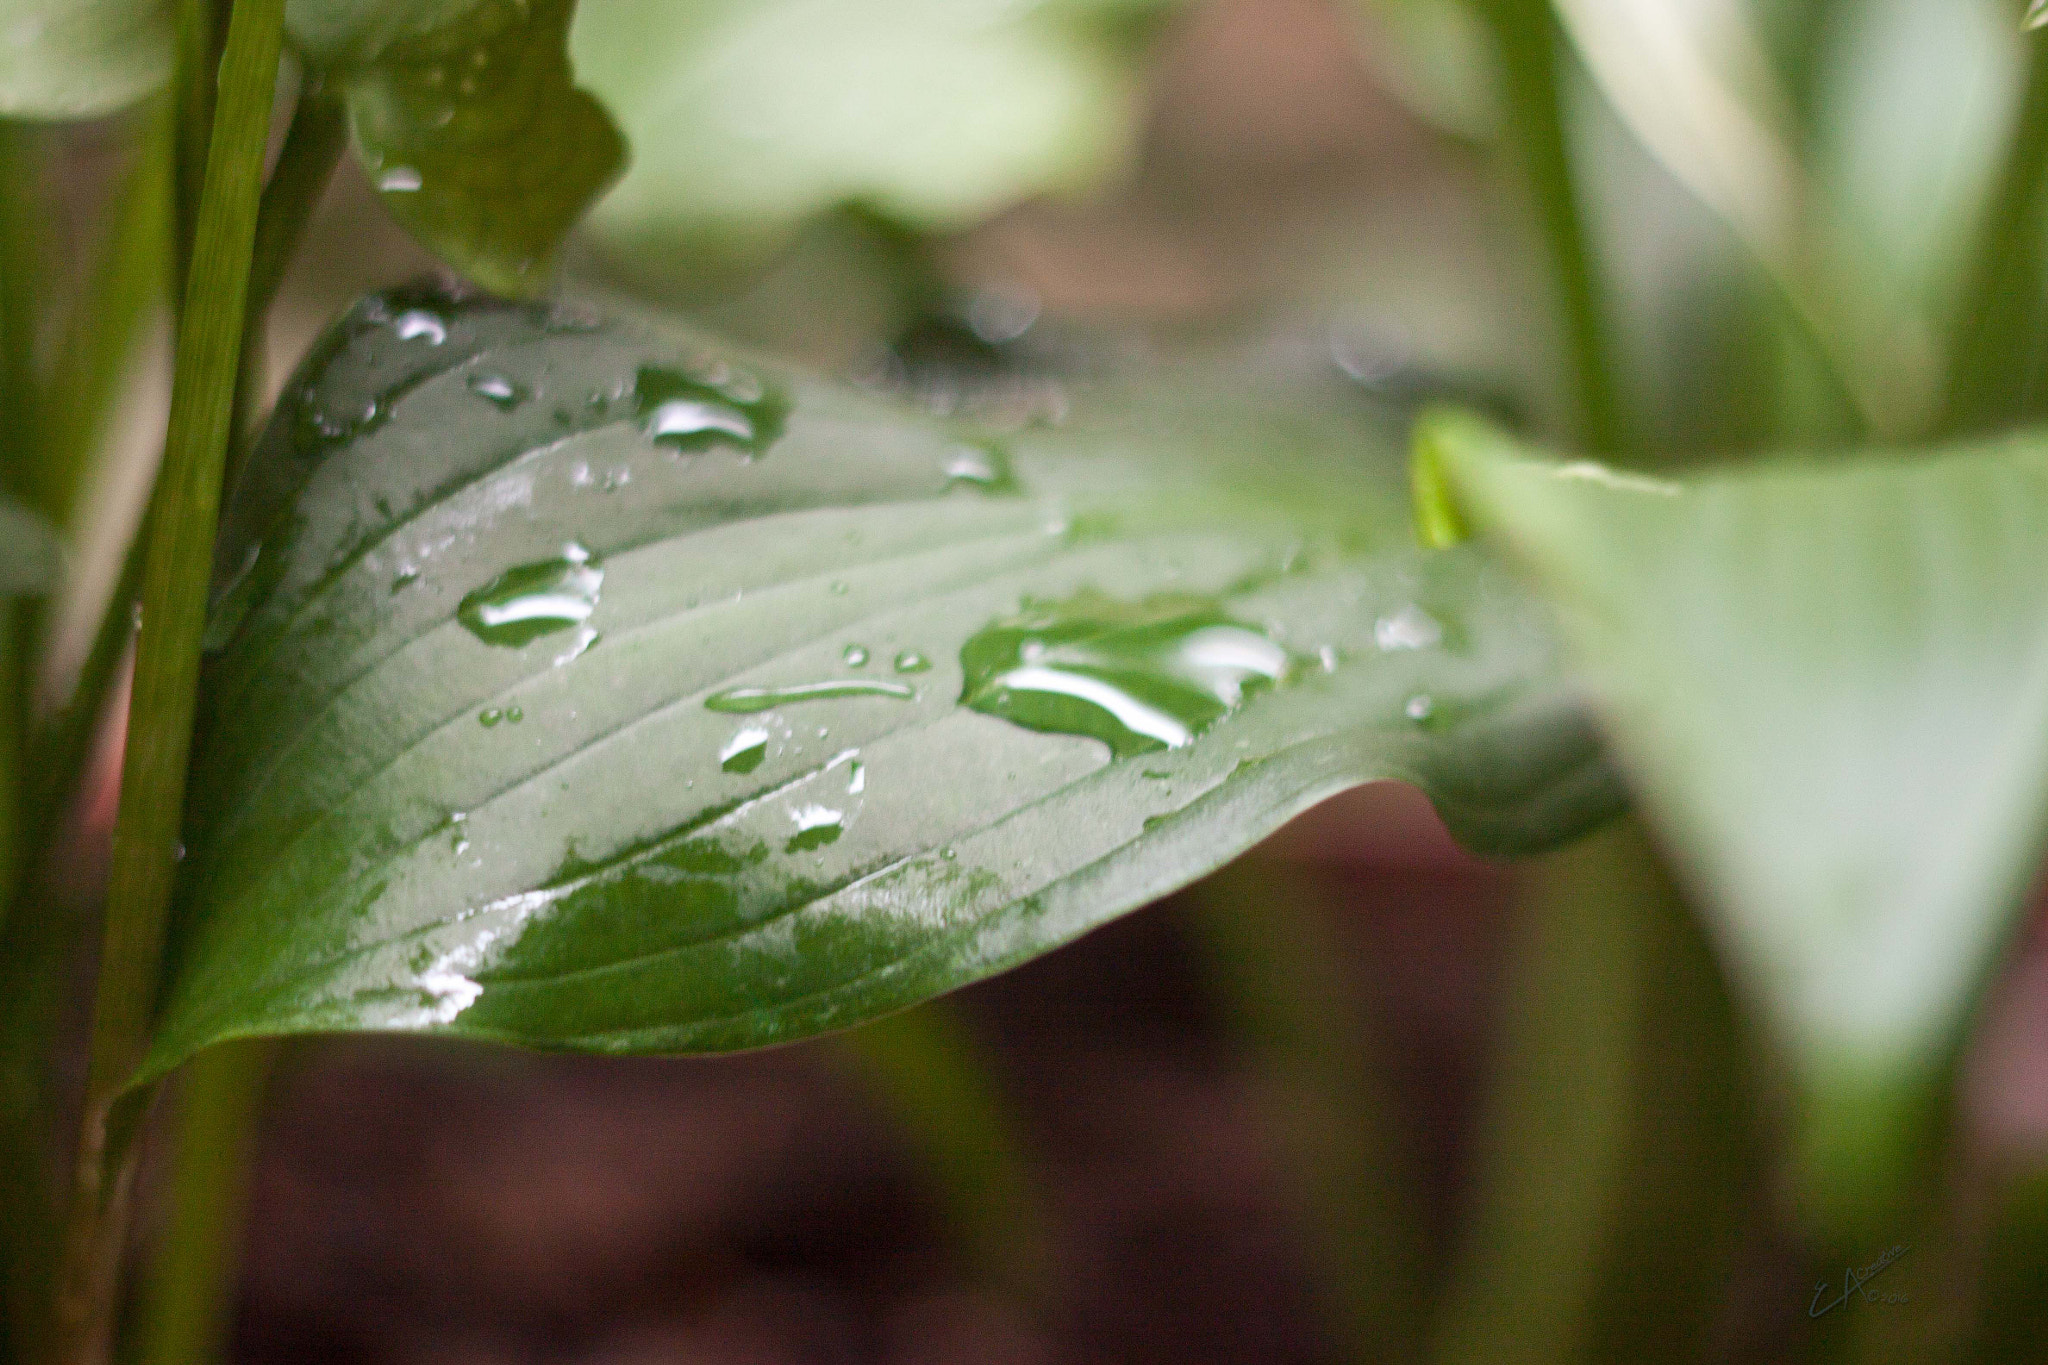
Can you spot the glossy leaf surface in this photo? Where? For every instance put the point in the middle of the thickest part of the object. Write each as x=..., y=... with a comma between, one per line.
x=81, y=59
x=1829, y=687
x=29, y=553
x=746, y=119
x=466, y=116
x=585, y=687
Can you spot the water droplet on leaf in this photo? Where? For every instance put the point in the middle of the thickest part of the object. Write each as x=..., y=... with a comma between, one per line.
x=1138, y=676
x=747, y=700
x=531, y=600
x=744, y=751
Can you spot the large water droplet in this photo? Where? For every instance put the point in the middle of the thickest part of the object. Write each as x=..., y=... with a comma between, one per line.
x=688, y=413
x=531, y=600
x=1137, y=676
x=744, y=751
x=747, y=700
x=816, y=826
x=418, y=324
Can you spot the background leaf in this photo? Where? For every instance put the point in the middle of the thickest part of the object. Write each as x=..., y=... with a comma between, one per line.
x=81, y=59
x=748, y=119
x=1829, y=686
x=29, y=553
x=466, y=116
x=730, y=795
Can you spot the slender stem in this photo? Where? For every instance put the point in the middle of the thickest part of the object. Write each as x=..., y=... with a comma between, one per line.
x=1325, y=1099
x=2000, y=325
x=1612, y=1154
x=1529, y=45
x=176, y=569
x=22, y=212
x=200, y=33
x=925, y=1066
x=188, y=1299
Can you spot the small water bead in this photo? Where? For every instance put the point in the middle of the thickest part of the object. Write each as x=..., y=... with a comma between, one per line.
x=400, y=180
x=497, y=390
x=839, y=587
x=910, y=661
x=857, y=779
x=1420, y=708
x=856, y=656
x=528, y=601
x=744, y=751
x=985, y=468
x=748, y=700
x=417, y=324
x=1409, y=628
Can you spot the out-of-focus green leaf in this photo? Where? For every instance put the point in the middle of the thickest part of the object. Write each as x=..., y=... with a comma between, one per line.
x=746, y=120
x=81, y=59
x=1435, y=55
x=1911, y=108
x=1829, y=688
x=29, y=552
x=1695, y=84
x=584, y=687
x=466, y=116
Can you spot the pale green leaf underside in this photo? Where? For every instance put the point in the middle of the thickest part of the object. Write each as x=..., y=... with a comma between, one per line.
x=80, y=59
x=634, y=870
x=747, y=119
x=1829, y=687
x=30, y=556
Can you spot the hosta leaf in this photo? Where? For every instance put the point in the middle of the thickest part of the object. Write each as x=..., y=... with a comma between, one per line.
x=583, y=687
x=29, y=552
x=80, y=59
x=466, y=116
x=746, y=119
x=1829, y=687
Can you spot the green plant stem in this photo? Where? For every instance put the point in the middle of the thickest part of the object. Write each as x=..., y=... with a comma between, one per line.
x=1325, y=1098
x=176, y=570
x=1999, y=330
x=188, y=1298
x=200, y=33
x=926, y=1068
x=1529, y=49
x=1612, y=1159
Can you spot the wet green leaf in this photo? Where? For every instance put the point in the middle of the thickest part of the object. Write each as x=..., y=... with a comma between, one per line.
x=30, y=556
x=743, y=770
x=746, y=120
x=81, y=59
x=1829, y=687
x=466, y=116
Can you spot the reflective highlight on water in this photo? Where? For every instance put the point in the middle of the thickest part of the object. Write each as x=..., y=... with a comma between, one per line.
x=529, y=601
x=1138, y=676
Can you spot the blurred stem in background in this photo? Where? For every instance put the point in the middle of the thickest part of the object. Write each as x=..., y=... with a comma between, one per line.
x=188, y=1297
x=1266, y=933
x=1614, y=1157
x=928, y=1071
x=1531, y=54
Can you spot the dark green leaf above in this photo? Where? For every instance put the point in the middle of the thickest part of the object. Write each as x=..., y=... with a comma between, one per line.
x=466, y=116
x=587, y=686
